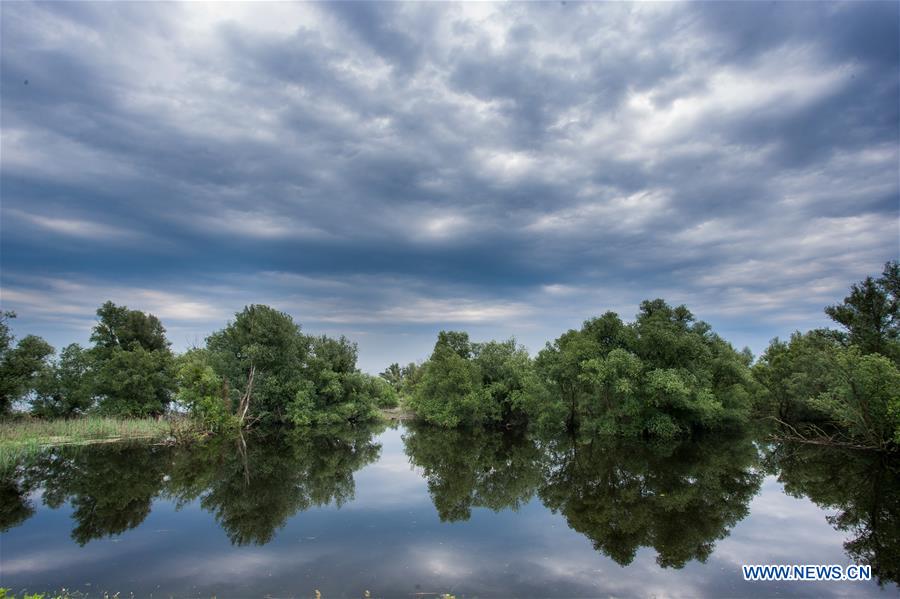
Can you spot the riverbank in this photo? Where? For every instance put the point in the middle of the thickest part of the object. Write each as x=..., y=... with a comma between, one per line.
x=21, y=437
x=397, y=414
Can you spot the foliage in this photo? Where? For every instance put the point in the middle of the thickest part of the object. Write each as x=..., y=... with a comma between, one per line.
x=203, y=392
x=260, y=355
x=664, y=374
x=334, y=389
x=871, y=313
x=20, y=366
x=132, y=364
x=64, y=388
x=465, y=383
x=134, y=382
x=847, y=379
x=403, y=379
x=863, y=397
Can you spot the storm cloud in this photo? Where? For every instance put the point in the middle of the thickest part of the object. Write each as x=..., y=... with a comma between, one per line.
x=385, y=170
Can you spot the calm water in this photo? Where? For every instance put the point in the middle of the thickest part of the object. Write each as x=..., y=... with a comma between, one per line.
x=415, y=510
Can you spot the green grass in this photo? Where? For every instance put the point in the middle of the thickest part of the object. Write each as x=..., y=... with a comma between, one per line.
x=23, y=437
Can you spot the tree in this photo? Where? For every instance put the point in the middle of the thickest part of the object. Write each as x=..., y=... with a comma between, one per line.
x=334, y=389
x=665, y=374
x=393, y=374
x=260, y=354
x=20, y=366
x=133, y=366
x=202, y=391
x=871, y=313
x=119, y=327
x=65, y=388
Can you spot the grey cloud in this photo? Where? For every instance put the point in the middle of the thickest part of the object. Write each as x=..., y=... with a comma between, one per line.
x=455, y=155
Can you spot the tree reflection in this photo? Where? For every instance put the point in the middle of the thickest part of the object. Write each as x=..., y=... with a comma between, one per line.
x=252, y=490
x=677, y=498
x=864, y=488
x=474, y=468
x=15, y=505
x=110, y=487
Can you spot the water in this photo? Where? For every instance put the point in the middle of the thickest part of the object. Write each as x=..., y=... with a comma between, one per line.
x=408, y=510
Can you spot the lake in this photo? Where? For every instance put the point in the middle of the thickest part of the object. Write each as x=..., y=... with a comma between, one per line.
x=413, y=511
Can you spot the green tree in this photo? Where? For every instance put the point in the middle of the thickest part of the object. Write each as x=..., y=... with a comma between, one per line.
x=471, y=384
x=20, y=366
x=664, y=374
x=334, y=390
x=393, y=374
x=121, y=328
x=65, y=388
x=202, y=391
x=871, y=313
x=447, y=392
x=132, y=364
x=260, y=356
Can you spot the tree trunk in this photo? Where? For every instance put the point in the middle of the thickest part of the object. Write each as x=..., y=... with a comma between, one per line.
x=244, y=405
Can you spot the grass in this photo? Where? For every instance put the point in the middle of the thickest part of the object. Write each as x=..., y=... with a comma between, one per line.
x=23, y=437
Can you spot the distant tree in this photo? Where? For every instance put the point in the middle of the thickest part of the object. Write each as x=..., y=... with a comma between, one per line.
x=393, y=374
x=403, y=379
x=132, y=364
x=871, y=313
x=20, y=366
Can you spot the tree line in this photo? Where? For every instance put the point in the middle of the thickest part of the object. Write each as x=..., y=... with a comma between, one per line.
x=665, y=374
x=260, y=368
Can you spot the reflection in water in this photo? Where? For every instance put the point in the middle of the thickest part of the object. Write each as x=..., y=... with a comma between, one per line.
x=252, y=490
x=15, y=506
x=864, y=488
x=474, y=468
x=110, y=487
x=677, y=498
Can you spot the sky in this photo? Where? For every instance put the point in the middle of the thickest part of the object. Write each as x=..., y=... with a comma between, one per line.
x=388, y=170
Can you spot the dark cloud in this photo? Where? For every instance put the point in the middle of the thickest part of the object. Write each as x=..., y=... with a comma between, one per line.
x=384, y=170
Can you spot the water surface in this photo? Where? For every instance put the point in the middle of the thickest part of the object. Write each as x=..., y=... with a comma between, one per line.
x=408, y=510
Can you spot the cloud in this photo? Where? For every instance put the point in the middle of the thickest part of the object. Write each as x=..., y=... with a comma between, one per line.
x=392, y=169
